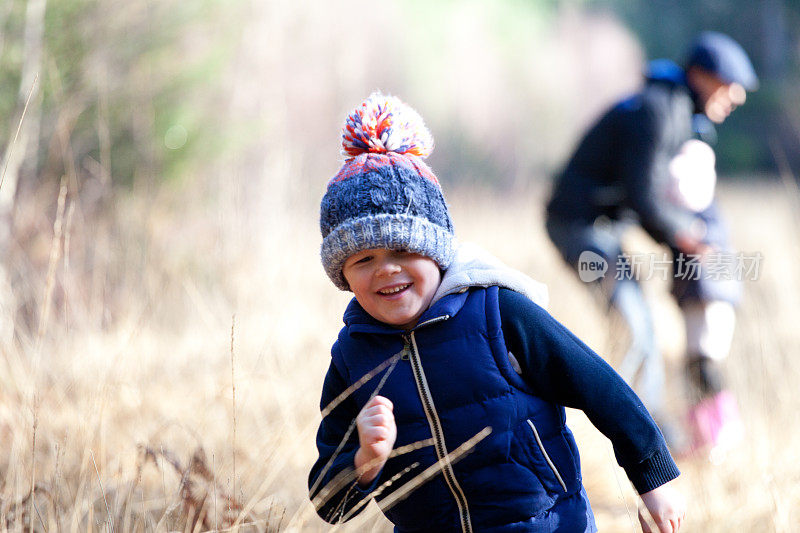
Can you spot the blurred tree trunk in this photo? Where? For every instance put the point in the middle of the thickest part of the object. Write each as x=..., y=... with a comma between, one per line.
x=20, y=155
x=5, y=10
x=774, y=39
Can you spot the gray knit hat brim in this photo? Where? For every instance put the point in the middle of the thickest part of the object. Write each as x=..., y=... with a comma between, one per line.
x=393, y=231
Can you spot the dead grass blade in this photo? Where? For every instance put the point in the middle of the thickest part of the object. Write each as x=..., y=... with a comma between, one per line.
x=19, y=515
x=348, y=476
x=203, y=503
x=233, y=402
x=108, y=511
x=19, y=127
x=391, y=363
x=787, y=176
x=424, y=476
x=55, y=256
x=621, y=492
x=33, y=461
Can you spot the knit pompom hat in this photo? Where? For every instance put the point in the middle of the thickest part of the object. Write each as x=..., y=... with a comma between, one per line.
x=384, y=196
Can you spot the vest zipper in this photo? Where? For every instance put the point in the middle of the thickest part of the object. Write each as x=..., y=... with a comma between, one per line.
x=436, y=425
x=547, y=457
x=432, y=321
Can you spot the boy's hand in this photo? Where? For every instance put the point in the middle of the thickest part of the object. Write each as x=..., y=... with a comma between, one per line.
x=376, y=435
x=667, y=507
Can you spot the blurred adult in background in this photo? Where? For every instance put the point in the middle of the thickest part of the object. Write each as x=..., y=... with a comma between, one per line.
x=648, y=161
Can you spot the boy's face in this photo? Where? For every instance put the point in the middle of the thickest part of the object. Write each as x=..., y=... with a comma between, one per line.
x=395, y=287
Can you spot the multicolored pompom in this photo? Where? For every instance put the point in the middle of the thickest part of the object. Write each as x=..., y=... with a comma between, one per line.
x=383, y=124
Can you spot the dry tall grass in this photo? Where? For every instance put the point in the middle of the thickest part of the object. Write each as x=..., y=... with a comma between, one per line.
x=120, y=415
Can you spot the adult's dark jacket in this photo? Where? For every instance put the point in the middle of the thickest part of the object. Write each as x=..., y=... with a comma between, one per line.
x=620, y=169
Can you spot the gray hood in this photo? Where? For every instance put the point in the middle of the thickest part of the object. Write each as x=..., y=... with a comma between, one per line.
x=475, y=267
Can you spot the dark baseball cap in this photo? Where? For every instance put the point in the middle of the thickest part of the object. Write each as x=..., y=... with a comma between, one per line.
x=723, y=57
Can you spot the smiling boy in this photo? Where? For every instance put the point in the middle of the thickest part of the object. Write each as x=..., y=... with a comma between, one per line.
x=443, y=343
x=393, y=286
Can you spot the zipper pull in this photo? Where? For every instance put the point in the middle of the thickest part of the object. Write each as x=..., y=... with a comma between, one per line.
x=405, y=353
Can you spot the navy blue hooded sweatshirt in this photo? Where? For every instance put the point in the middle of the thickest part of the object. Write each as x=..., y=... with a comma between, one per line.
x=452, y=377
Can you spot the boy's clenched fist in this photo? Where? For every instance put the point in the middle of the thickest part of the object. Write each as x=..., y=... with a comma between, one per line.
x=376, y=435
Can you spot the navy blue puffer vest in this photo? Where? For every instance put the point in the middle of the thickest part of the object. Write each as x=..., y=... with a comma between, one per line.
x=453, y=380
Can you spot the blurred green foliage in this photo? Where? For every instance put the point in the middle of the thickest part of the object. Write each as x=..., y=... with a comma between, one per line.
x=114, y=78
x=140, y=88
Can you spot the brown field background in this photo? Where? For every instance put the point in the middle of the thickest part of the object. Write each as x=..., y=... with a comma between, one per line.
x=81, y=404
x=161, y=370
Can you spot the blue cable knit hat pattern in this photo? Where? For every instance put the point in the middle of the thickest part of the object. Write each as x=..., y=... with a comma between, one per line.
x=384, y=195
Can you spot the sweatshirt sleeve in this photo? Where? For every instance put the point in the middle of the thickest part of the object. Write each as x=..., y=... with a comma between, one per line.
x=332, y=483
x=563, y=370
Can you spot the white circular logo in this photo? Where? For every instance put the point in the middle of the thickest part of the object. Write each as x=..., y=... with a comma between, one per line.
x=591, y=266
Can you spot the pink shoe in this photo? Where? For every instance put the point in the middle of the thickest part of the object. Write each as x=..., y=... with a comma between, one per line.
x=715, y=426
